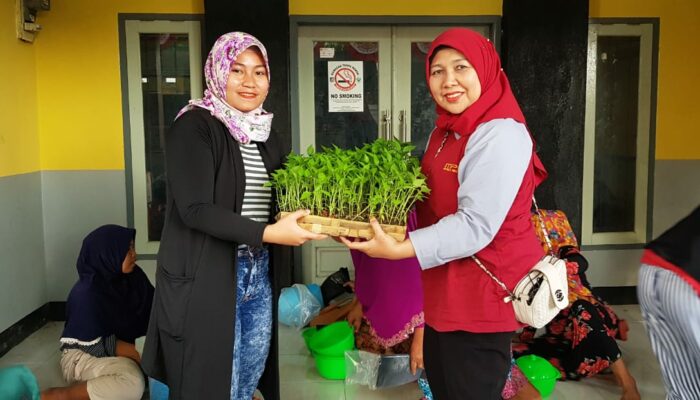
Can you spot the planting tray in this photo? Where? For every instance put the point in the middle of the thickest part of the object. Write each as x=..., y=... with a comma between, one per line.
x=344, y=227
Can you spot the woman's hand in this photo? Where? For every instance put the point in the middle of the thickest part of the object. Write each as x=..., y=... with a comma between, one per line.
x=350, y=284
x=382, y=245
x=417, y=351
x=287, y=231
x=355, y=316
x=128, y=350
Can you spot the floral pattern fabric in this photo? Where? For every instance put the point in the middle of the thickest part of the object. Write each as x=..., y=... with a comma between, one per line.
x=366, y=339
x=581, y=340
x=516, y=380
x=557, y=227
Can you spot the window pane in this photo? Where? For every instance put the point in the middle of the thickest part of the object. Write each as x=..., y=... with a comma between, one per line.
x=352, y=128
x=617, y=94
x=422, y=105
x=165, y=69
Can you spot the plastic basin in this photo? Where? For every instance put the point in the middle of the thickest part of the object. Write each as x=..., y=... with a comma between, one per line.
x=330, y=367
x=333, y=340
x=18, y=382
x=540, y=372
x=157, y=389
x=544, y=386
x=307, y=334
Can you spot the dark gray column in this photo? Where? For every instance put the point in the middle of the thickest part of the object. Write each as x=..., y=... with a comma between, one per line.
x=544, y=52
x=268, y=20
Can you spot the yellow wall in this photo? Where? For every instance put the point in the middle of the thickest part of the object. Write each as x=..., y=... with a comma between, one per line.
x=19, y=137
x=79, y=82
x=677, y=118
x=64, y=91
x=393, y=7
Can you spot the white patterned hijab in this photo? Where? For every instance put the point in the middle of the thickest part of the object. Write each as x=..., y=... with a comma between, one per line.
x=244, y=126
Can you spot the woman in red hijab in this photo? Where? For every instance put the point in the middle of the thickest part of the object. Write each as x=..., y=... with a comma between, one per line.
x=482, y=171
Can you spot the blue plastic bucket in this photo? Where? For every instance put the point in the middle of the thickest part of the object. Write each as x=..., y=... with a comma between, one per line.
x=158, y=390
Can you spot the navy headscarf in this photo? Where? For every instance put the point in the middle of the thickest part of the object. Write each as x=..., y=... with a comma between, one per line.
x=106, y=301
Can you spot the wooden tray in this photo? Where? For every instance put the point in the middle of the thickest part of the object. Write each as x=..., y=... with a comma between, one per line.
x=344, y=227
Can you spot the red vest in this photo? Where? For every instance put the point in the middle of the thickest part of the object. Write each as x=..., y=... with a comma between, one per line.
x=459, y=295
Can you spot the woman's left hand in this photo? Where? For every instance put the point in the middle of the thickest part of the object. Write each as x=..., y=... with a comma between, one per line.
x=417, y=351
x=382, y=245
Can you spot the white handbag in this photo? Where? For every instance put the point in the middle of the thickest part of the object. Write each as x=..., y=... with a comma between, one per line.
x=542, y=292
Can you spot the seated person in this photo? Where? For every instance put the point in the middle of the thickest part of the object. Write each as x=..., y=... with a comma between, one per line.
x=388, y=316
x=581, y=340
x=107, y=309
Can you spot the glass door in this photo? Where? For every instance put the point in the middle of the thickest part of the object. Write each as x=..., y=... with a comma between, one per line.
x=357, y=84
x=344, y=85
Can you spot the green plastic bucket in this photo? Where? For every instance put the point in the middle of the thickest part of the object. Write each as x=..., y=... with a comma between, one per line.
x=540, y=372
x=307, y=334
x=330, y=367
x=333, y=339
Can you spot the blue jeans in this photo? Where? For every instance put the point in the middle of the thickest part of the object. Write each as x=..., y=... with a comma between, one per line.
x=253, y=328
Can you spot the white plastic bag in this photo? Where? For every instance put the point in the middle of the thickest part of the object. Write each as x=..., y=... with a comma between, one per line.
x=361, y=368
x=378, y=371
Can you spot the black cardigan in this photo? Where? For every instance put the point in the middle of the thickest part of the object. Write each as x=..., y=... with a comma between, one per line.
x=189, y=345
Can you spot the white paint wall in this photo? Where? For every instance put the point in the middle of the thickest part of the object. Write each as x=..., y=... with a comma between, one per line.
x=22, y=273
x=75, y=203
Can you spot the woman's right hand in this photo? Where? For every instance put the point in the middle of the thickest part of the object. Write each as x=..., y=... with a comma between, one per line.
x=381, y=245
x=287, y=231
x=355, y=316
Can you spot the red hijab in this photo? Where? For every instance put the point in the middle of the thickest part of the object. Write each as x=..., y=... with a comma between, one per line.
x=496, y=100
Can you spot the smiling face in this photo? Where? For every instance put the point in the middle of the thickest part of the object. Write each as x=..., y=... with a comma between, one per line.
x=453, y=82
x=248, y=83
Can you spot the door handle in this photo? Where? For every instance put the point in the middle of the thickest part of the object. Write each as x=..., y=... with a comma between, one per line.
x=386, y=125
x=402, y=121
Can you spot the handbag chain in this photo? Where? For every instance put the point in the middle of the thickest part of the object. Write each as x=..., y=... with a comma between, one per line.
x=511, y=296
x=544, y=229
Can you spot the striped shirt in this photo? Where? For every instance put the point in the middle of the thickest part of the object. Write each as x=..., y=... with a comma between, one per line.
x=257, y=198
x=100, y=347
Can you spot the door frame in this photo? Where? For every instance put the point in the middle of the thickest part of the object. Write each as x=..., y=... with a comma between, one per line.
x=306, y=108
x=132, y=106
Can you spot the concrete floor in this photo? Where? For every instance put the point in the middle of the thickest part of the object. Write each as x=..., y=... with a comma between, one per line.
x=299, y=379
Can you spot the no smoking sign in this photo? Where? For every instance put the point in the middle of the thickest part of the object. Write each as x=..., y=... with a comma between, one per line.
x=345, y=78
x=345, y=88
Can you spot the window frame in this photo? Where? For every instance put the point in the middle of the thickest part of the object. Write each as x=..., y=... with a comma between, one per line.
x=648, y=32
x=130, y=26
